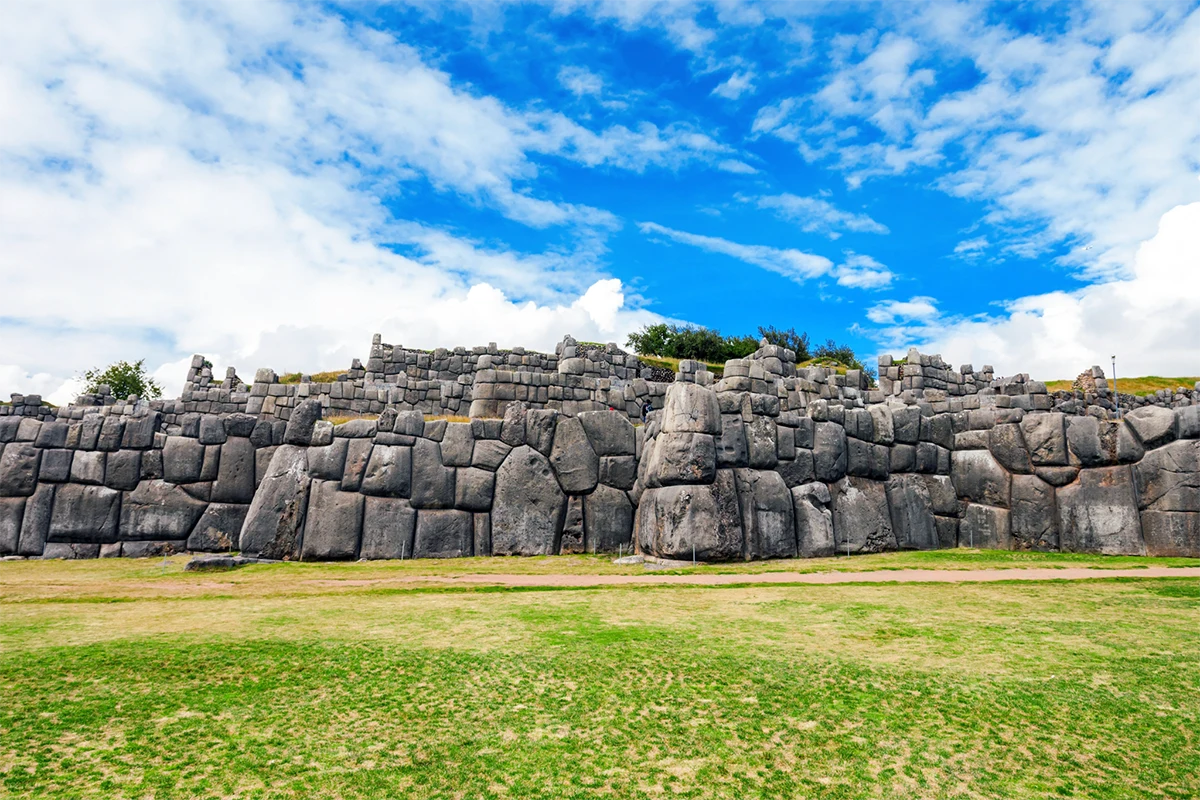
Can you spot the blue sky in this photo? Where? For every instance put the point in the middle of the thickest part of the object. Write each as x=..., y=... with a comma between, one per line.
x=269, y=183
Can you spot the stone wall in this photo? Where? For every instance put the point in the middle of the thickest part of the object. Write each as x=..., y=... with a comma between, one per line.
x=772, y=460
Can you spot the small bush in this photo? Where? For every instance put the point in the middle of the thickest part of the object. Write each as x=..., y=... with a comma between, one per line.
x=124, y=379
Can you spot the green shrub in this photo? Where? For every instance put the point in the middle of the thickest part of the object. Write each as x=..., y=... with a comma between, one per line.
x=124, y=379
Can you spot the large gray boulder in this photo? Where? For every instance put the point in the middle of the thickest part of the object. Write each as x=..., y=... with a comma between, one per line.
x=458, y=445
x=574, y=460
x=388, y=527
x=1091, y=441
x=300, y=424
x=861, y=520
x=474, y=489
x=906, y=424
x=1171, y=533
x=911, y=508
x=679, y=458
x=123, y=469
x=432, y=482
x=358, y=455
x=158, y=511
x=388, y=472
x=814, y=520
x=1168, y=479
x=1154, y=425
x=1099, y=514
x=1008, y=446
x=327, y=463
x=763, y=441
x=1034, y=516
x=609, y=432
x=333, y=523
x=539, y=429
x=985, y=528
x=798, y=471
x=732, y=447
x=618, y=471
x=829, y=452
x=35, y=525
x=88, y=514
x=1045, y=437
x=512, y=429
x=275, y=521
x=490, y=454
x=608, y=520
x=978, y=477
x=529, y=505
x=88, y=466
x=183, y=459
x=1187, y=422
x=691, y=408
x=768, y=519
x=19, y=463
x=677, y=521
x=12, y=512
x=235, y=473
x=444, y=534
x=218, y=528
x=883, y=423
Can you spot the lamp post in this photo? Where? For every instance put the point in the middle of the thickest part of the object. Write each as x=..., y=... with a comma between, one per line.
x=1116, y=394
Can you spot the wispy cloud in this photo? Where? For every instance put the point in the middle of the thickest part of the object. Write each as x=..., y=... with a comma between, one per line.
x=817, y=215
x=793, y=264
x=736, y=85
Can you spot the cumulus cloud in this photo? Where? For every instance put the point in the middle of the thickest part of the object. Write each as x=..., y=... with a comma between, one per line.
x=862, y=272
x=177, y=182
x=1148, y=320
x=817, y=215
x=736, y=85
x=891, y=311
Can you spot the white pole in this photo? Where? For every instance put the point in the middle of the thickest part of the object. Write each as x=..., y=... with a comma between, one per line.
x=1116, y=394
x=693, y=554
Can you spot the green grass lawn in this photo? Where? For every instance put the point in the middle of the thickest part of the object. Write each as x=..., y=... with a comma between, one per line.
x=1135, y=386
x=133, y=679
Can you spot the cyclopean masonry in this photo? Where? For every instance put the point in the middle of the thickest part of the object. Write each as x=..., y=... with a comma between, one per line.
x=770, y=461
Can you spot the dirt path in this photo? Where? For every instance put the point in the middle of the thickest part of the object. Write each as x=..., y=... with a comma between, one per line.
x=877, y=576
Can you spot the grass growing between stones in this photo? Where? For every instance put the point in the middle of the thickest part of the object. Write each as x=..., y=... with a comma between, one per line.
x=1087, y=689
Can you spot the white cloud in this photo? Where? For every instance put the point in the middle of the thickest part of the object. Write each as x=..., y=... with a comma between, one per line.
x=891, y=311
x=736, y=85
x=862, y=272
x=971, y=248
x=1078, y=135
x=175, y=182
x=816, y=215
x=736, y=167
x=1149, y=320
x=793, y=264
x=580, y=81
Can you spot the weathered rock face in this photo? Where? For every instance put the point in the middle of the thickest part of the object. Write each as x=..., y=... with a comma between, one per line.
x=675, y=521
x=610, y=433
x=681, y=458
x=1099, y=514
x=87, y=514
x=235, y=474
x=979, y=478
x=332, y=524
x=1171, y=533
x=829, y=452
x=608, y=520
x=159, y=511
x=814, y=521
x=443, y=534
x=12, y=512
x=861, y=519
x=985, y=527
x=1168, y=479
x=527, y=513
x=300, y=424
x=1153, y=425
x=1046, y=438
x=691, y=408
x=912, y=513
x=1034, y=514
x=218, y=529
x=388, y=527
x=19, y=469
x=388, y=472
x=575, y=461
x=276, y=518
x=768, y=519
